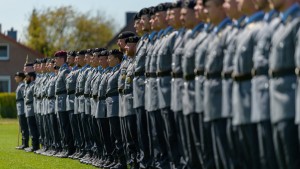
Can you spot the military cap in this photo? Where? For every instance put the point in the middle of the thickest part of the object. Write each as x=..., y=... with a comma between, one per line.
x=44, y=60
x=90, y=51
x=152, y=10
x=189, y=4
x=28, y=64
x=104, y=53
x=132, y=39
x=37, y=61
x=161, y=8
x=81, y=53
x=144, y=11
x=168, y=5
x=72, y=53
x=126, y=34
x=116, y=53
x=137, y=16
x=62, y=54
x=177, y=4
x=99, y=49
x=20, y=74
x=31, y=74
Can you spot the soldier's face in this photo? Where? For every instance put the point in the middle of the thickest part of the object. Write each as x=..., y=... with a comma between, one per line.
x=112, y=61
x=71, y=60
x=174, y=18
x=160, y=19
x=87, y=59
x=80, y=60
x=18, y=79
x=153, y=25
x=59, y=61
x=230, y=7
x=103, y=61
x=199, y=10
x=213, y=10
x=130, y=49
x=188, y=17
x=145, y=22
x=138, y=27
x=95, y=60
x=27, y=69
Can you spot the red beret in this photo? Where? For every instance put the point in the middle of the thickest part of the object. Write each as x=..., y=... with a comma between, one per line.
x=61, y=54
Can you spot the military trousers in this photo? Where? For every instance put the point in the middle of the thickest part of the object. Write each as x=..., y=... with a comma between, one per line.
x=266, y=147
x=223, y=160
x=39, y=122
x=86, y=132
x=103, y=123
x=98, y=140
x=24, y=129
x=248, y=145
x=75, y=129
x=286, y=144
x=55, y=129
x=131, y=137
x=142, y=134
x=192, y=131
x=171, y=135
x=116, y=136
x=66, y=131
x=34, y=132
x=47, y=131
x=233, y=145
x=157, y=140
x=182, y=139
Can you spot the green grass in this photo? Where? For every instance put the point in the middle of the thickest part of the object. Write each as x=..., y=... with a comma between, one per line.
x=10, y=158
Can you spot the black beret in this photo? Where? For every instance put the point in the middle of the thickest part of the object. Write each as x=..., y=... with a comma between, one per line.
x=132, y=39
x=44, y=60
x=61, y=54
x=137, y=16
x=189, y=4
x=104, y=53
x=21, y=74
x=126, y=34
x=160, y=8
x=116, y=53
x=177, y=4
x=81, y=52
x=90, y=51
x=72, y=53
x=31, y=74
x=168, y=5
x=28, y=64
x=144, y=11
x=99, y=49
x=37, y=61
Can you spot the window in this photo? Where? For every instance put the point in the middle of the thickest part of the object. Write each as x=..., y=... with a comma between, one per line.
x=4, y=51
x=4, y=84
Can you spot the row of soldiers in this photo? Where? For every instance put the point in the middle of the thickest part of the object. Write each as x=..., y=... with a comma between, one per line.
x=209, y=84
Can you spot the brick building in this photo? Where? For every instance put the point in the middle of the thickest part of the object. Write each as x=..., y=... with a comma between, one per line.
x=12, y=58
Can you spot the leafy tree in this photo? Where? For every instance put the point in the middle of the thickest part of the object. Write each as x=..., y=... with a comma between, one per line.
x=54, y=29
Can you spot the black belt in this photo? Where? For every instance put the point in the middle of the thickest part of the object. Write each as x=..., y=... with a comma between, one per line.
x=120, y=91
x=71, y=92
x=164, y=73
x=199, y=72
x=177, y=75
x=141, y=73
x=61, y=92
x=127, y=91
x=213, y=75
x=260, y=71
x=281, y=72
x=95, y=96
x=30, y=102
x=189, y=77
x=79, y=94
x=150, y=74
x=86, y=95
x=112, y=94
x=241, y=77
x=227, y=75
x=18, y=100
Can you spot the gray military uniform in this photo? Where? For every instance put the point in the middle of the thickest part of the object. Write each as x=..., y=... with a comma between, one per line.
x=128, y=88
x=101, y=104
x=87, y=90
x=71, y=88
x=94, y=92
x=112, y=99
x=60, y=89
x=80, y=84
x=20, y=98
x=29, y=104
x=51, y=94
x=121, y=83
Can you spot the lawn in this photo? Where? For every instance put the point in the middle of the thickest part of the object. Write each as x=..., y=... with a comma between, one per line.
x=10, y=158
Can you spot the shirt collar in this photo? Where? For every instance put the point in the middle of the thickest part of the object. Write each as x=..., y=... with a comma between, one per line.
x=116, y=67
x=290, y=11
x=152, y=35
x=167, y=30
x=197, y=28
x=270, y=15
x=255, y=17
x=64, y=66
x=160, y=33
x=224, y=23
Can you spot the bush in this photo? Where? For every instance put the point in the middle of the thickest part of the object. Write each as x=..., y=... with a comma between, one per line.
x=8, y=105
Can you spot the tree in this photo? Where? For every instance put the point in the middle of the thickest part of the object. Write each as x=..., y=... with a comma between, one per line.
x=64, y=28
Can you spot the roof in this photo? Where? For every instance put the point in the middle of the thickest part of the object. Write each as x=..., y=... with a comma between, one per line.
x=38, y=54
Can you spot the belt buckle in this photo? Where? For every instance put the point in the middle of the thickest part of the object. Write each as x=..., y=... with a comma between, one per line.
x=297, y=71
x=253, y=72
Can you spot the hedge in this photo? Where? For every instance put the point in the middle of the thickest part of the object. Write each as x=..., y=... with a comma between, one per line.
x=8, y=105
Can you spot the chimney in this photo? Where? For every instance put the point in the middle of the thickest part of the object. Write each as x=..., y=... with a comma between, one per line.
x=129, y=17
x=0, y=28
x=12, y=34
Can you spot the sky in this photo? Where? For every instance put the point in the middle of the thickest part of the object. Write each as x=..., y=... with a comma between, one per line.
x=15, y=13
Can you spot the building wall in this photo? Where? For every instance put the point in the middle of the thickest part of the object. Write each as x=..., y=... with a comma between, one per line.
x=16, y=60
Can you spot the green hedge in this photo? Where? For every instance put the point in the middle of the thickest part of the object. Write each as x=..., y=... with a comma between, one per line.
x=8, y=105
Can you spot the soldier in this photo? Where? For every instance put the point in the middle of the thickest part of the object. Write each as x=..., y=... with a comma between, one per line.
x=260, y=114
x=241, y=99
x=60, y=104
x=53, y=123
x=112, y=104
x=19, y=78
x=238, y=19
x=71, y=87
x=283, y=84
x=101, y=113
x=29, y=111
x=130, y=118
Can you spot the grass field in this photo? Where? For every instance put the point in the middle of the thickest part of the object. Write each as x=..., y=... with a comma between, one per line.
x=10, y=158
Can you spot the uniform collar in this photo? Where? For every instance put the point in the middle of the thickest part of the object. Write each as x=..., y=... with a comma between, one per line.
x=146, y=35
x=240, y=22
x=64, y=66
x=198, y=28
x=116, y=67
x=222, y=25
x=160, y=33
x=100, y=69
x=74, y=67
x=152, y=35
x=289, y=12
x=270, y=15
x=124, y=58
x=167, y=30
x=106, y=69
x=255, y=17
